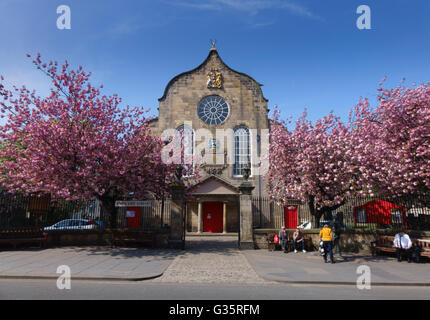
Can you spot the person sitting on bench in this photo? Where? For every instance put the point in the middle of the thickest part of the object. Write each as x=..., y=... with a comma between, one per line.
x=297, y=238
x=403, y=244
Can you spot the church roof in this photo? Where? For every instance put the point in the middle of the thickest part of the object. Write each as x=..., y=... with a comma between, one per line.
x=212, y=51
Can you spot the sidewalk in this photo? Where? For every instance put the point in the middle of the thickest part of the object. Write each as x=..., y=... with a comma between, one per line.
x=89, y=263
x=207, y=260
x=310, y=268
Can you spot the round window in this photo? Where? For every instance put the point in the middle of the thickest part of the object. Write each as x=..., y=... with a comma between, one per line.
x=213, y=110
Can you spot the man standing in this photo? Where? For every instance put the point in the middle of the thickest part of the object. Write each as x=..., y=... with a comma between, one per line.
x=403, y=244
x=283, y=238
x=327, y=238
x=298, y=238
x=337, y=226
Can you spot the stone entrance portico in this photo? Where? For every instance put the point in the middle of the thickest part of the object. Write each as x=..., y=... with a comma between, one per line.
x=215, y=203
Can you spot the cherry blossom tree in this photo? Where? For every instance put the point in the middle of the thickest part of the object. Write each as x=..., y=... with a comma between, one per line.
x=383, y=151
x=395, y=140
x=314, y=164
x=77, y=143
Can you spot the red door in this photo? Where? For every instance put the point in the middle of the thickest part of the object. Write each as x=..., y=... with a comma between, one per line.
x=212, y=217
x=290, y=216
x=132, y=216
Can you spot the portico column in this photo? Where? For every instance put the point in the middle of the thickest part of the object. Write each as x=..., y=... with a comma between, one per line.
x=199, y=217
x=224, y=217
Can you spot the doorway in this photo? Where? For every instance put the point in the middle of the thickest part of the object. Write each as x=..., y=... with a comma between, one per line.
x=132, y=216
x=213, y=216
x=290, y=216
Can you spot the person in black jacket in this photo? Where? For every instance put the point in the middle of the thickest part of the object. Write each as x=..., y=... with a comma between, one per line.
x=283, y=239
x=336, y=227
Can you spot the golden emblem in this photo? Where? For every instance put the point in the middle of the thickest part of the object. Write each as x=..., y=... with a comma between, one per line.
x=214, y=79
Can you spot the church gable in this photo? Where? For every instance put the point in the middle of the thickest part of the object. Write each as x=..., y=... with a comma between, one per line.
x=240, y=94
x=213, y=73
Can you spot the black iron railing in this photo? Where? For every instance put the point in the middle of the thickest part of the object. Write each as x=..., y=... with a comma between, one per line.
x=372, y=213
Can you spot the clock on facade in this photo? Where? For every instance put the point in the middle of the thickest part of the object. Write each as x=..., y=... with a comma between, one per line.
x=213, y=110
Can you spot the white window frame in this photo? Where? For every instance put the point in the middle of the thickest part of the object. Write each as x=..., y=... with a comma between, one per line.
x=234, y=151
x=396, y=216
x=361, y=216
x=190, y=170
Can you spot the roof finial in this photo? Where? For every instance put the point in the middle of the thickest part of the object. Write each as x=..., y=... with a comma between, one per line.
x=213, y=42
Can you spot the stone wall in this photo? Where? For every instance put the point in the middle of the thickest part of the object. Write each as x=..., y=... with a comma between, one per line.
x=94, y=238
x=350, y=241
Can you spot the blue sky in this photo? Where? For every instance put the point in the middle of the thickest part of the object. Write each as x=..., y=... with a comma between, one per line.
x=308, y=54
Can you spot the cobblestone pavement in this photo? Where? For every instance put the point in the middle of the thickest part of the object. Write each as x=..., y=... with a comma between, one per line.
x=211, y=260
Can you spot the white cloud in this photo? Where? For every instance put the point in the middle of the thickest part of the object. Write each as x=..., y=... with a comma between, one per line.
x=251, y=7
x=125, y=27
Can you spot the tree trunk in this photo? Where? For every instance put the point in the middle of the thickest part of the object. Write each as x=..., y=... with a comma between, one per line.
x=108, y=206
x=317, y=218
x=316, y=214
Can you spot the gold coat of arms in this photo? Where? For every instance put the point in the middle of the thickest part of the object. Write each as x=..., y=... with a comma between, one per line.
x=214, y=79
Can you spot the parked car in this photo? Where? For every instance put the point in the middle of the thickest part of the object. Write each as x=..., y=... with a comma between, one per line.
x=73, y=224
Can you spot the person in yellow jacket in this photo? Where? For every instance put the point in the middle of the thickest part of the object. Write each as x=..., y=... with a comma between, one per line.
x=326, y=236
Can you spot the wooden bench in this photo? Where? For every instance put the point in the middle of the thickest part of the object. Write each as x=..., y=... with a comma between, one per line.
x=382, y=244
x=424, y=246
x=15, y=236
x=385, y=244
x=138, y=237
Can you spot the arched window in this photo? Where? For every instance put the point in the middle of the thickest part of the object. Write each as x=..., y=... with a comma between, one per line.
x=185, y=140
x=242, y=150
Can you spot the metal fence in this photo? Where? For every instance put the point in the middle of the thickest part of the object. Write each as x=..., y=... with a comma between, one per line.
x=411, y=213
x=356, y=213
x=20, y=211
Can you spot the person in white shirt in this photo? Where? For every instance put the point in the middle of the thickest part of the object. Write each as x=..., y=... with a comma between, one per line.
x=403, y=244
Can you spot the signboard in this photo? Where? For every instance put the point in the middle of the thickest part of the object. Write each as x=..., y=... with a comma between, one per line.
x=146, y=203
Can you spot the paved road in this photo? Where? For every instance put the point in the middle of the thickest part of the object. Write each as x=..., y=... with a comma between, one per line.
x=104, y=290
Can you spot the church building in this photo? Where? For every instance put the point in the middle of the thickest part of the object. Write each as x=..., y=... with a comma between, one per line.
x=213, y=96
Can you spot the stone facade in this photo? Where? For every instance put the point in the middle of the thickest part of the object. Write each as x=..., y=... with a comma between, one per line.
x=247, y=107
